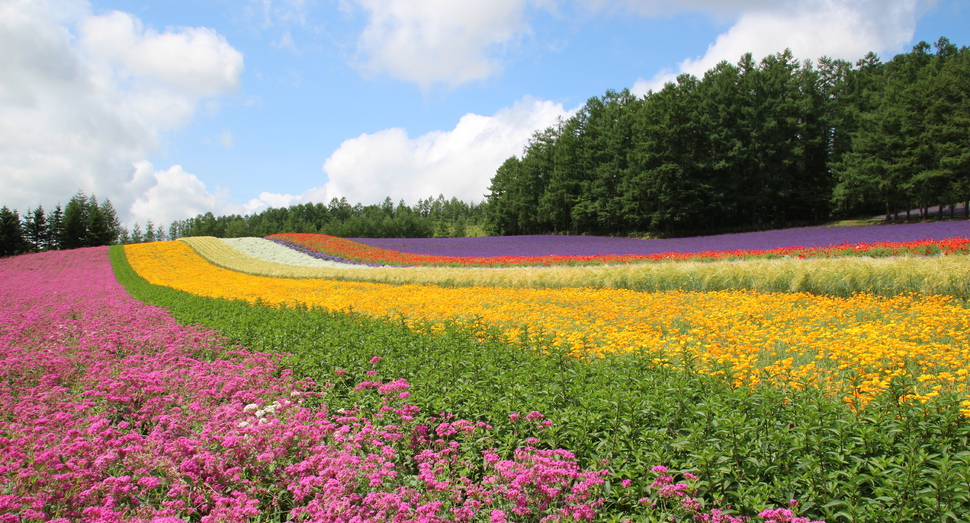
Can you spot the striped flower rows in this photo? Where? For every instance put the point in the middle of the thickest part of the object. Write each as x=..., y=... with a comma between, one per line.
x=115, y=413
x=358, y=252
x=855, y=345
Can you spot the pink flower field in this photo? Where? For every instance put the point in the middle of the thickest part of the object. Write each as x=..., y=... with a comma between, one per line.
x=114, y=412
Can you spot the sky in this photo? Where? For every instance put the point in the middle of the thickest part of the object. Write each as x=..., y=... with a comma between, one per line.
x=176, y=108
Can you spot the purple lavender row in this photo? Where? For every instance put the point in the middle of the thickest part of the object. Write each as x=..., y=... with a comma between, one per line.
x=540, y=245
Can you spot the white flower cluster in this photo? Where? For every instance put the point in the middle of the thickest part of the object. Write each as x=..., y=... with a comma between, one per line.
x=261, y=413
x=267, y=250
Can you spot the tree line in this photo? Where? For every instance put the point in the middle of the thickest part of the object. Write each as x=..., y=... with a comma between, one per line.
x=82, y=223
x=428, y=218
x=750, y=145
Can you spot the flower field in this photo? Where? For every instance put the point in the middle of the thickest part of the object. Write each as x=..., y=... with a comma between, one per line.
x=359, y=252
x=274, y=252
x=800, y=237
x=116, y=413
x=855, y=345
x=243, y=380
x=840, y=276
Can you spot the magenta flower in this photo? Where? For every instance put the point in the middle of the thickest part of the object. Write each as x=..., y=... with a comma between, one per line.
x=534, y=416
x=123, y=415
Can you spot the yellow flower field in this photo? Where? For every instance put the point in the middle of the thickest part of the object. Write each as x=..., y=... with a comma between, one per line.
x=855, y=344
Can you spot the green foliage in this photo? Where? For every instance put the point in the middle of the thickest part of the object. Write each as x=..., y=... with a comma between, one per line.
x=11, y=233
x=86, y=223
x=752, y=145
x=756, y=448
x=907, y=119
x=434, y=217
x=39, y=231
x=36, y=229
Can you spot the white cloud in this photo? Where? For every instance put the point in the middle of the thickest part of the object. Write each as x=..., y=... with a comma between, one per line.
x=193, y=60
x=85, y=98
x=458, y=163
x=172, y=194
x=846, y=29
x=278, y=200
x=431, y=42
x=268, y=199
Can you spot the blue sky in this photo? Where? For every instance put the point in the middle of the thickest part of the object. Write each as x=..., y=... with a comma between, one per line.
x=176, y=108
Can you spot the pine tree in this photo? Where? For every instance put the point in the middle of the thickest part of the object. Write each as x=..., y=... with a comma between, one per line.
x=114, y=224
x=35, y=229
x=502, y=199
x=160, y=235
x=54, y=226
x=11, y=233
x=98, y=231
x=74, y=229
x=124, y=237
x=948, y=120
x=136, y=236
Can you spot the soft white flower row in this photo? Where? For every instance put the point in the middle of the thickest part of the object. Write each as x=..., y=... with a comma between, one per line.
x=267, y=250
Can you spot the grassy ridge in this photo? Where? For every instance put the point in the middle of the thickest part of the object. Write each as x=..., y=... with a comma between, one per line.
x=752, y=448
x=945, y=275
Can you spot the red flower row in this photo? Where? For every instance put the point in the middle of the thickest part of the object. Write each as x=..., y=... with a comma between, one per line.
x=354, y=251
